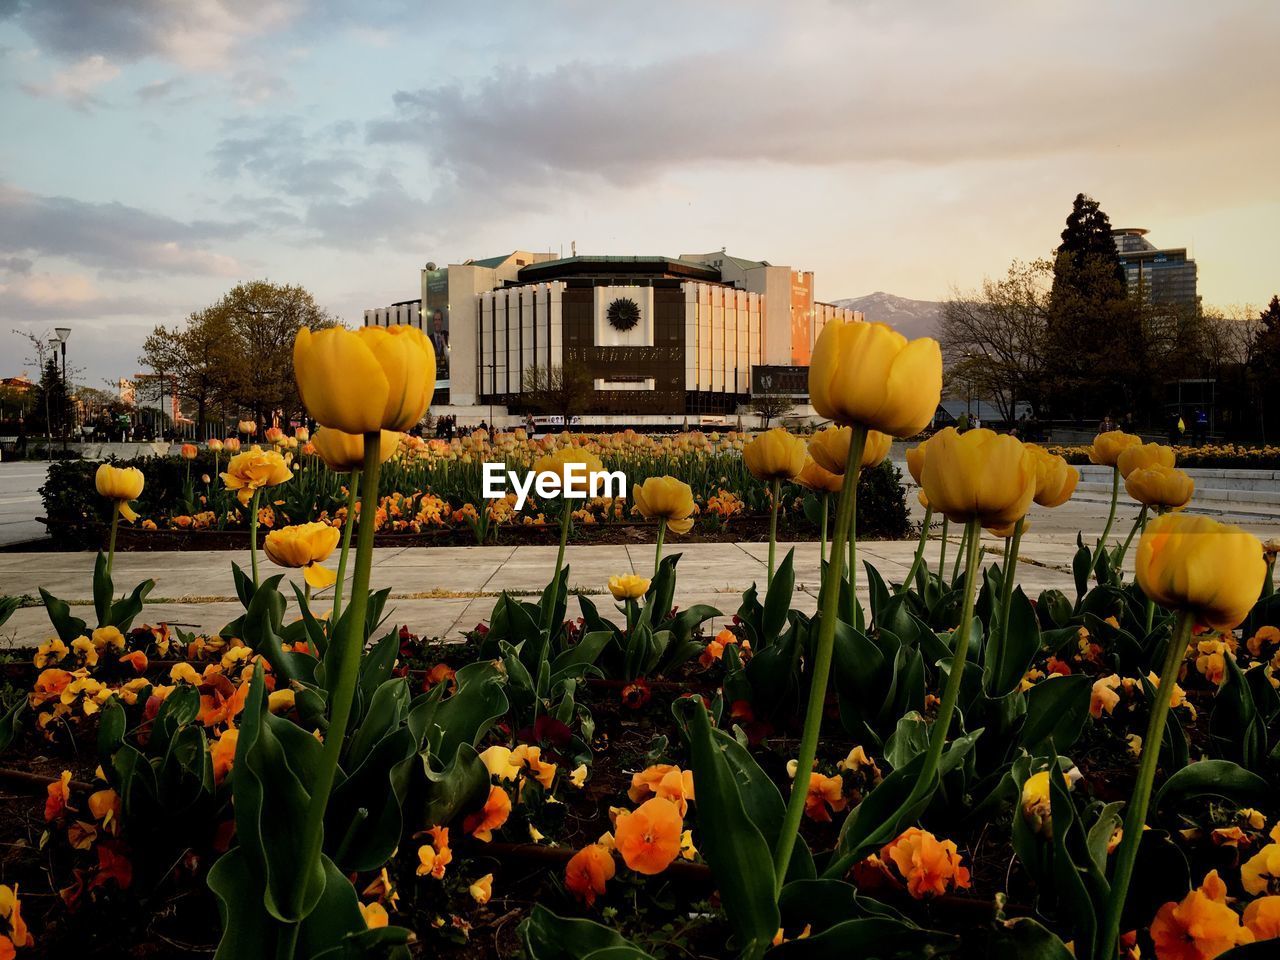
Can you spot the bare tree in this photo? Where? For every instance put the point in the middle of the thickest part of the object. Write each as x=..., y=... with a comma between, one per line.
x=770, y=406
x=563, y=391
x=993, y=339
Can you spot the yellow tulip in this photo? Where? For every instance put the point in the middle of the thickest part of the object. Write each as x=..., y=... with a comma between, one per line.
x=1108, y=446
x=1139, y=456
x=628, y=586
x=774, y=455
x=665, y=498
x=1007, y=530
x=375, y=378
x=558, y=463
x=344, y=452
x=1160, y=486
x=304, y=546
x=248, y=427
x=1210, y=569
x=868, y=373
x=978, y=474
x=254, y=469
x=830, y=448
x=817, y=478
x=120, y=484
x=915, y=462
x=1055, y=478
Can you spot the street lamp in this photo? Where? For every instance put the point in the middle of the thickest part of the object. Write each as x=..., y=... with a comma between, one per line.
x=64, y=334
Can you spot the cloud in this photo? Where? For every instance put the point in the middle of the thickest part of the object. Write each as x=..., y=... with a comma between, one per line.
x=65, y=296
x=118, y=239
x=197, y=34
x=386, y=214
x=77, y=83
x=280, y=155
x=855, y=84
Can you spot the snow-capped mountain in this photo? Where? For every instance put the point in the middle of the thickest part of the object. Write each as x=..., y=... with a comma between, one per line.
x=912, y=318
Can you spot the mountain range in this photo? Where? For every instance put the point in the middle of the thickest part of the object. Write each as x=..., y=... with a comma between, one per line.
x=911, y=318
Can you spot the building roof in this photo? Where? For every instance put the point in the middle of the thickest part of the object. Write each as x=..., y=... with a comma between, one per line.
x=492, y=262
x=742, y=263
x=618, y=265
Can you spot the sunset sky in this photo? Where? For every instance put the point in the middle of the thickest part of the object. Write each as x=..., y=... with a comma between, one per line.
x=158, y=151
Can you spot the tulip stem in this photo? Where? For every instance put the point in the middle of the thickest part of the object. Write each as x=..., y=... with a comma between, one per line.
x=1138, y=524
x=1006, y=583
x=774, y=491
x=942, y=554
x=111, y=540
x=821, y=664
x=662, y=533
x=857, y=444
x=1136, y=815
x=822, y=532
x=549, y=613
x=963, y=551
x=342, y=691
x=1111, y=516
x=353, y=488
x=919, y=557
x=253, y=534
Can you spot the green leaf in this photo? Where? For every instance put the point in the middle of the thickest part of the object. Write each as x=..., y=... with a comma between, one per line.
x=68, y=627
x=1025, y=939
x=1010, y=653
x=549, y=937
x=463, y=784
x=363, y=821
x=102, y=589
x=777, y=600
x=871, y=938
x=909, y=739
x=1056, y=710
x=731, y=843
x=824, y=903
x=1236, y=729
x=1215, y=778
x=125, y=610
x=11, y=722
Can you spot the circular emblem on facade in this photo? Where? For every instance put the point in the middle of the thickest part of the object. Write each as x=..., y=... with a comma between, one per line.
x=623, y=313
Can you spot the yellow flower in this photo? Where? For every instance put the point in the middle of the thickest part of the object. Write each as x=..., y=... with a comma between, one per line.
x=1261, y=872
x=1055, y=479
x=868, y=373
x=11, y=913
x=1262, y=918
x=774, y=455
x=344, y=452
x=668, y=499
x=1200, y=926
x=254, y=469
x=108, y=638
x=375, y=378
x=120, y=484
x=375, y=914
x=558, y=463
x=1037, y=809
x=830, y=448
x=482, y=890
x=1139, y=456
x=305, y=545
x=1160, y=486
x=628, y=587
x=281, y=701
x=1211, y=569
x=51, y=653
x=817, y=478
x=247, y=427
x=978, y=474
x=915, y=462
x=1108, y=446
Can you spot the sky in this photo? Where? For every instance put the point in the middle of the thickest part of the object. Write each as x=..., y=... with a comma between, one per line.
x=157, y=152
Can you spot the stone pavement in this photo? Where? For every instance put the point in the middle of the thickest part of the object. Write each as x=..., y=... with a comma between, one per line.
x=441, y=591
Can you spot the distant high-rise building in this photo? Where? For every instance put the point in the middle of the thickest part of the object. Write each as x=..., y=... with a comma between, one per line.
x=1158, y=276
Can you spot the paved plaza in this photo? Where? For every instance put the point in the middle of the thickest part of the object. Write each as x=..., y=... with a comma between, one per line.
x=441, y=591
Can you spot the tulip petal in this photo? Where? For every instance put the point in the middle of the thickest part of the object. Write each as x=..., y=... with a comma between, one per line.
x=318, y=576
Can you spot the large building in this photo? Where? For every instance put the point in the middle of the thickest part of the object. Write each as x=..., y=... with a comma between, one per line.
x=1158, y=276
x=660, y=338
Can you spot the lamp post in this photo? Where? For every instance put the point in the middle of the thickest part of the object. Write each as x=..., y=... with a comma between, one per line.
x=64, y=334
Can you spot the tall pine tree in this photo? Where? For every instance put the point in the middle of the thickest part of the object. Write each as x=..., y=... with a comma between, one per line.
x=1097, y=361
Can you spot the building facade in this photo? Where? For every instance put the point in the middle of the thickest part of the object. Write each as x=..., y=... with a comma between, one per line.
x=1157, y=276
x=668, y=337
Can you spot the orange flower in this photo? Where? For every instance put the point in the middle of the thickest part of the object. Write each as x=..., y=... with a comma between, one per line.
x=1199, y=927
x=59, y=795
x=433, y=857
x=11, y=913
x=136, y=659
x=666, y=781
x=483, y=822
x=1262, y=918
x=824, y=792
x=222, y=753
x=530, y=758
x=105, y=806
x=441, y=673
x=587, y=872
x=482, y=890
x=928, y=865
x=649, y=837
x=375, y=914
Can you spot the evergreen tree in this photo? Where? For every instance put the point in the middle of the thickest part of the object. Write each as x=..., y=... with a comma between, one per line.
x=1096, y=351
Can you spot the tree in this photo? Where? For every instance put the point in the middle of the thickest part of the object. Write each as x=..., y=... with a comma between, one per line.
x=197, y=357
x=1264, y=365
x=238, y=352
x=994, y=339
x=770, y=406
x=1095, y=345
x=563, y=391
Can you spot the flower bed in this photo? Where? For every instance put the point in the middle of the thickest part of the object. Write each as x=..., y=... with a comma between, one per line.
x=952, y=768
x=1228, y=456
